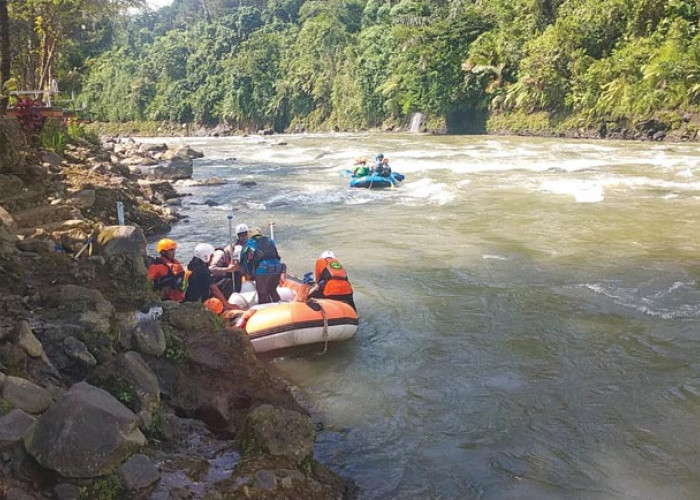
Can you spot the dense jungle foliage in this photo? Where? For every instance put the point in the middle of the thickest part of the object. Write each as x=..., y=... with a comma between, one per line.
x=352, y=64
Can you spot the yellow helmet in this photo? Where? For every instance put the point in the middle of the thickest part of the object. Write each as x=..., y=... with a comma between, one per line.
x=254, y=231
x=166, y=244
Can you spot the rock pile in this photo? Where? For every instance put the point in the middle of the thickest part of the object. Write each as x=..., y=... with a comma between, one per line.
x=106, y=392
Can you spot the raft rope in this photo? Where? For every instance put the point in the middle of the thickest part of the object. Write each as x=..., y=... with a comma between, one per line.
x=324, y=314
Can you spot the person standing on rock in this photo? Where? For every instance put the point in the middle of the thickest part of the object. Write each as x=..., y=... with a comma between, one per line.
x=261, y=262
x=166, y=273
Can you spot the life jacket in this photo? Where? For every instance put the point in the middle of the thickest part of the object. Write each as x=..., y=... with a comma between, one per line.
x=331, y=275
x=167, y=273
x=185, y=280
x=258, y=250
x=361, y=171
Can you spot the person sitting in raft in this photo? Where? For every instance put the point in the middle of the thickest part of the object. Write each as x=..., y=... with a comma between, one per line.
x=361, y=169
x=201, y=285
x=377, y=167
x=332, y=280
x=165, y=272
x=386, y=169
x=225, y=263
x=261, y=262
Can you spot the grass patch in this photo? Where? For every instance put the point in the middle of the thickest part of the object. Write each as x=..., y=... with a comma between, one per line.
x=105, y=488
x=175, y=350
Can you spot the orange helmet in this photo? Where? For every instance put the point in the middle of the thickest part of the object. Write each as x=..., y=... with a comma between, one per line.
x=214, y=305
x=166, y=244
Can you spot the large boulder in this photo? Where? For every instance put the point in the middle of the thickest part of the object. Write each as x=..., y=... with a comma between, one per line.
x=124, y=251
x=183, y=151
x=87, y=433
x=214, y=375
x=278, y=432
x=25, y=395
x=14, y=426
x=130, y=375
x=122, y=240
x=149, y=337
x=174, y=169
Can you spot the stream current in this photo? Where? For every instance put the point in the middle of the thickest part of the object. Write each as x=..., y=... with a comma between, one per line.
x=529, y=308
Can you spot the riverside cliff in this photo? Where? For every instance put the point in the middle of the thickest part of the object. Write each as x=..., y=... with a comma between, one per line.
x=106, y=392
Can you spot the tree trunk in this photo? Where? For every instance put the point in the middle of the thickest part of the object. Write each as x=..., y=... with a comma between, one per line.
x=4, y=53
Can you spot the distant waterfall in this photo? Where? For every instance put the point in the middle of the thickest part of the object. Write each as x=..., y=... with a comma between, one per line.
x=416, y=121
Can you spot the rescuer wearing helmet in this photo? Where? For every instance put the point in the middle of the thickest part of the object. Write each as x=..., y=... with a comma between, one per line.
x=261, y=262
x=225, y=263
x=201, y=286
x=166, y=273
x=332, y=280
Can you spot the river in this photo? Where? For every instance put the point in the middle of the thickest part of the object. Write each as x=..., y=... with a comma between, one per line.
x=529, y=308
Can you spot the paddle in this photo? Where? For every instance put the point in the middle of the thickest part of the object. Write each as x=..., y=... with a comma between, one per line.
x=230, y=241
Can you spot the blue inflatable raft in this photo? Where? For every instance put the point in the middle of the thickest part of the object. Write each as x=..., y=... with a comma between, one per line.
x=376, y=181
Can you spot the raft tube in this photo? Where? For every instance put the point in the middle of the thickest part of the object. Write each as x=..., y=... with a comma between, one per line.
x=282, y=325
x=377, y=181
x=248, y=297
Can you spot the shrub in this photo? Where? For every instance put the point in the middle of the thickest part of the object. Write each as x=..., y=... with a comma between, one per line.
x=53, y=136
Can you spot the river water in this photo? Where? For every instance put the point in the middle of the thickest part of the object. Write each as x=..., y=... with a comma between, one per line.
x=529, y=308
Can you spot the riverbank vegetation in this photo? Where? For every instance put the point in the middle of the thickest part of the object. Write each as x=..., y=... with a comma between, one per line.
x=627, y=67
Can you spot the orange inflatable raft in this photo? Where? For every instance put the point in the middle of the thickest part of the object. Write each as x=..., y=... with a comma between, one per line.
x=288, y=324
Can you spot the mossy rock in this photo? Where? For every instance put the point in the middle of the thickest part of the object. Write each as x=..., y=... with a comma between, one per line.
x=13, y=360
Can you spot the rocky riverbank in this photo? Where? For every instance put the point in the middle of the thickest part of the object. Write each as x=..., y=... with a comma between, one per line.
x=106, y=392
x=671, y=127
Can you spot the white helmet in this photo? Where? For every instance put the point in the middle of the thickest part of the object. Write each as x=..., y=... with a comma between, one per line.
x=328, y=254
x=241, y=228
x=203, y=251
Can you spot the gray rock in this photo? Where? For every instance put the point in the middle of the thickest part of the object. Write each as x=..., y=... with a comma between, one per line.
x=149, y=337
x=2, y=379
x=51, y=158
x=153, y=148
x=84, y=198
x=28, y=341
x=16, y=493
x=14, y=426
x=6, y=219
x=171, y=427
x=66, y=491
x=132, y=367
x=123, y=324
x=138, y=473
x=25, y=395
x=120, y=240
x=184, y=152
x=265, y=480
x=172, y=170
x=280, y=432
x=87, y=433
x=78, y=351
x=35, y=246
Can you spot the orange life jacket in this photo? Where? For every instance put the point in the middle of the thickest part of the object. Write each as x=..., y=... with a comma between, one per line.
x=167, y=275
x=334, y=277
